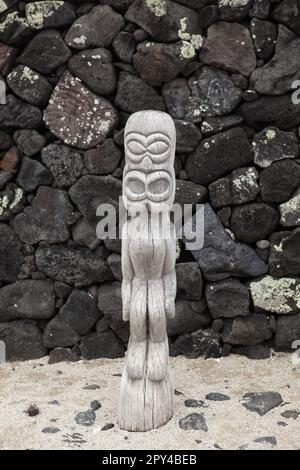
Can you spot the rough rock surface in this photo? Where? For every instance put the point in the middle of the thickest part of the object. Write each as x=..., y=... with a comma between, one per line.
x=163, y=19
x=281, y=296
x=85, y=31
x=45, y=52
x=78, y=116
x=249, y=330
x=254, y=221
x=221, y=257
x=279, y=180
x=10, y=254
x=27, y=299
x=64, y=163
x=229, y=47
x=78, y=267
x=23, y=340
x=272, y=144
x=47, y=218
x=94, y=67
x=218, y=155
x=270, y=79
x=228, y=298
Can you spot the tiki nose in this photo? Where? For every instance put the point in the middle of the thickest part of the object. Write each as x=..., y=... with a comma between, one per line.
x=147, y=163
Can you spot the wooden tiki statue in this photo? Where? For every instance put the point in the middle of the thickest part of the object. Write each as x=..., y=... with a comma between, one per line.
x=148, y=264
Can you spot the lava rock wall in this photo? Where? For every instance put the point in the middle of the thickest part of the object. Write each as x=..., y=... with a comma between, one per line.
x=71, y=74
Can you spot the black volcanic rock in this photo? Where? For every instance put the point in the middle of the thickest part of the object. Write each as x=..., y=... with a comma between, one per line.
x=163, y=20
x=135, y=95
x=94, y=67
x=32, y=174
x=29, y=141
x=254, y=221
x=284, y=257
x=157, y=63
x=218, y=155
x=29, y=85
x=85, y=31
x=229, y=47
x=104, y=159
x=279, y=180
x=272, y=144
x=228, y=298
x=14, y=29
x=188, y=192
x=64, y=163
x=91, y=191
x=249, y=330
x=264, y=35
x=16, y=114
x=288, y=331
x=220, y=257
x=79, y=267
x=278, y=75
x=23, y=340
x=278, y=111
x=50, y=14
x=190, y=316
x=189, y=281
x=10, y=254
x=27, y=299
x=80, y=311
x=234, y=11
x=124, y=46
x=105, y=344
x=187, y=136
x=45, y=52
x=288, y=13
x=204, y=342
x=46, y=219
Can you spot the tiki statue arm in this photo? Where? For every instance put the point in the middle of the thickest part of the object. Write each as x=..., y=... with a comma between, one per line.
x=169, y=277
x=127, y=271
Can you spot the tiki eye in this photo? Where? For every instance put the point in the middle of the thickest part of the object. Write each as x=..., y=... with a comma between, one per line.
x=158, y=147
x=158, y=186
x=136, y=186
x=135, y=147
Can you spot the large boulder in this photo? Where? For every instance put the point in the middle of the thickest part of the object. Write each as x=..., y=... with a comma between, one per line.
x=278, y=75
x=78, y=116
x=163, y=19
x=190, y=316
x=217, y=155
x=47, y=219
x=228, y=298
x=27, y=299
x=23, y=340
x=85, y=31
x=247, y=331
x=229, y=46
x=79, y=267
x=221, y=257
x=280, y=296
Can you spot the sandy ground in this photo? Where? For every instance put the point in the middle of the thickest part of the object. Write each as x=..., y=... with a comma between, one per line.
x=230, y=425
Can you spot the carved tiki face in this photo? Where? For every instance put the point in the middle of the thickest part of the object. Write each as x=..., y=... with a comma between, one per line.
x=149, y=178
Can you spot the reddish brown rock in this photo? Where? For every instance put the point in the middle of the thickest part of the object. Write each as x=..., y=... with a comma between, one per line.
x=78, y=116
x=7, y=56
x=10, y=160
